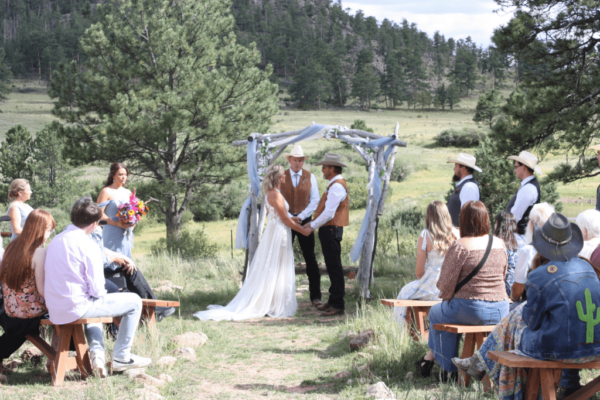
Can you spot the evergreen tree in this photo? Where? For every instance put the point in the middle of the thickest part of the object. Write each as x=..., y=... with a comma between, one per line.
x=16, y=156
x=393, y=84
x=5, y=75
x=441, y=96
x=311, y=84
x=452, y=96
x=488, y=107
x=464, y=71
x=164, y=92
x=365, y=87
x=556, y=109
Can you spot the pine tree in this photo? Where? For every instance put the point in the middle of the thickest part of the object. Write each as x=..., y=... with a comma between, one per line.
x=464, y=71
x=488, y=107
x=164, y=92
x=452, y=96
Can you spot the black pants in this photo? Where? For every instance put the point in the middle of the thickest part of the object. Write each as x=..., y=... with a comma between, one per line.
x=15, y=330
x=331, y=237
x=135, y=283
x=307, y=245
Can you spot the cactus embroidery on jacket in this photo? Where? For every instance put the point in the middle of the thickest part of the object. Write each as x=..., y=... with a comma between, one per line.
x=588, y=318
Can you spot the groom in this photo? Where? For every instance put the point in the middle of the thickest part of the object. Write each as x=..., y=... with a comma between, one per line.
x=331, y=216
x=301, y=192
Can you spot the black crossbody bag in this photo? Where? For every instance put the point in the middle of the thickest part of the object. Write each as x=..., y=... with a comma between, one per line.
x=477, y=268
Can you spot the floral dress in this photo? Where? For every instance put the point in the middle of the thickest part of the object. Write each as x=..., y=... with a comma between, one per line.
x=424, y=288
x=25, y=303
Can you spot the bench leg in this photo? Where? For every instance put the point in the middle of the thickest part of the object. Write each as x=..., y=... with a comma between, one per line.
x=83, y=358
x=547, y=381
x=149, y=314
x=533, y=384
x=62, y=355
x=468, y=351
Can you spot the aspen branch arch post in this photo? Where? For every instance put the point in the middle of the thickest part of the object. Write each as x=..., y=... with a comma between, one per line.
x=377, y=151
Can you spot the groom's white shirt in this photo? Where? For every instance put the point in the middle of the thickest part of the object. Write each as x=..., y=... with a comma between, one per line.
x=337, y=194
x=314, y=194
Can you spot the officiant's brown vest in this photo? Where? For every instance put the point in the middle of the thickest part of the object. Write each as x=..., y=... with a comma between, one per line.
x=342, y=214
x=297, y=197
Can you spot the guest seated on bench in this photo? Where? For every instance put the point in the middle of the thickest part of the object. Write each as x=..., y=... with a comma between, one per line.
x=471, y=284
x=537, y=218
x=552, y=324
x=75, y=289
x=589, y=223
x=134, y=279
x=431, y=248
x=22, y=277
x=506, y=229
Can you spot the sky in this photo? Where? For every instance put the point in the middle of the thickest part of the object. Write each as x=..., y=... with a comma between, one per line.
x=453, y=18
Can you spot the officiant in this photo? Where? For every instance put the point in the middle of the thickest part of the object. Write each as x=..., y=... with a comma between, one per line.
x=301, y=192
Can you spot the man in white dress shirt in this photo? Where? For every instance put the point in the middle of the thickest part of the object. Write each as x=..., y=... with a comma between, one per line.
x=332, y=214
x=528, y=194
x=301, y=192
x=467, y=188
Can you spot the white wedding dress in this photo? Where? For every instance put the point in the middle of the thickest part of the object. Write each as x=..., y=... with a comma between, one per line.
x=270, y=286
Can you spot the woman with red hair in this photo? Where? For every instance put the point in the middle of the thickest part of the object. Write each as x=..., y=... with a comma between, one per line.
x=22, y=277
x=471, y=283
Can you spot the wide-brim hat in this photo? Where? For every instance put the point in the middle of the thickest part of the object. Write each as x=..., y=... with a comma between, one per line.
x=558, y=239
x=465, y=159
x=528, y=159
x=595, y=147
x=332, y=159
x=296, y=152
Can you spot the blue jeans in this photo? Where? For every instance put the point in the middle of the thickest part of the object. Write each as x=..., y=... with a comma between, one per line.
x=125, y=305
x=570, y=378
x=444, y=345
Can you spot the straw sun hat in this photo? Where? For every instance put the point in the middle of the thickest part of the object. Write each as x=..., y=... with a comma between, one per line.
x=528, y=159
x=467, y=160
x=296, y=152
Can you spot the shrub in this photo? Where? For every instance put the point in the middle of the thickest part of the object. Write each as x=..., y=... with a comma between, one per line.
x=196, y=245
x=401, y=171
x=467, y=137
x=362, y=125
x=357, y=189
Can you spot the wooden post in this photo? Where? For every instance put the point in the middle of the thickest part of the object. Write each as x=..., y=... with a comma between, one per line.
x=367, y=249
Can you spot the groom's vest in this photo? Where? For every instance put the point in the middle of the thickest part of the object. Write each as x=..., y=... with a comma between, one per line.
x=342, y=214
x=297, y=197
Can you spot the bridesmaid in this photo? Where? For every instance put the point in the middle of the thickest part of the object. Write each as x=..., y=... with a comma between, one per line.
x=116, y=235
x=18, y=211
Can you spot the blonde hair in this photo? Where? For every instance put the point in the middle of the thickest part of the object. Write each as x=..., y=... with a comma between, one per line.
x=439, y=225
x=16, y=186
x=272, y=177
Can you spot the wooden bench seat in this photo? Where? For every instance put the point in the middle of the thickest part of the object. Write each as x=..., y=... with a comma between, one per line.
x=60, y=360
x=474, y=335
x=148, y=310
x=415, y=316
x=546, y=374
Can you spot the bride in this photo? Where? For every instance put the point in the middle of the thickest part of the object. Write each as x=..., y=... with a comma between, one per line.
x=270, y=286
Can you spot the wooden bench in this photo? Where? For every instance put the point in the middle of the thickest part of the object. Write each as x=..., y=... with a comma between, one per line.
x=415, y=319
x=61, y=362
x=474, y=335
x=148, y=311
x=546, y=374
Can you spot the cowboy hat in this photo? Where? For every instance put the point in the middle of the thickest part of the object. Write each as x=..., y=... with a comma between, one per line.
x=332, y=159
x=465, y=159
x=296, y=152
x=558, y=239
x=528, y=159
x=595, y=147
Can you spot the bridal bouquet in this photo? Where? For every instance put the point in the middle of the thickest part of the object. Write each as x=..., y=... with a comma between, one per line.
x=132, y=211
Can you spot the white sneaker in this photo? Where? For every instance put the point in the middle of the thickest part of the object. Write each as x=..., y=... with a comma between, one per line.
x=134, y=362
x=98, y=364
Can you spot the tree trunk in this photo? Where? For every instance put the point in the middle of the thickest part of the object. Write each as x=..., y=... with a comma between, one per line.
x=173, y=218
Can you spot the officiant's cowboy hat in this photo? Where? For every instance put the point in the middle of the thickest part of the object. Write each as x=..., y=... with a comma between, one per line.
x=558, y=239
x=465, y=159
x=332, y=159
x=296, y=152
x=528, y=159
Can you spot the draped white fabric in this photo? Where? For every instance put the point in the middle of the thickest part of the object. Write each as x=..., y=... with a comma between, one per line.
x=270, y=286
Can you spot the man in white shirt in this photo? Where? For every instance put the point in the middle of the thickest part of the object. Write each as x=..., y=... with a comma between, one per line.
x=529, y=193
x=332, y=214
x=301, y=192
x=467, y=188
x=74, y=289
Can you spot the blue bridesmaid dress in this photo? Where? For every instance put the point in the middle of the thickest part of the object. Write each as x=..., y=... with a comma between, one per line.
x=25, y=210
x=116, y=239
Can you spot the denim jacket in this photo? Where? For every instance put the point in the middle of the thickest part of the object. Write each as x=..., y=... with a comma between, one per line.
x=562, y=312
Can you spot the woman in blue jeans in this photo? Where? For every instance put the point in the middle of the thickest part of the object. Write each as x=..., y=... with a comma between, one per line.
x=472, y=286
